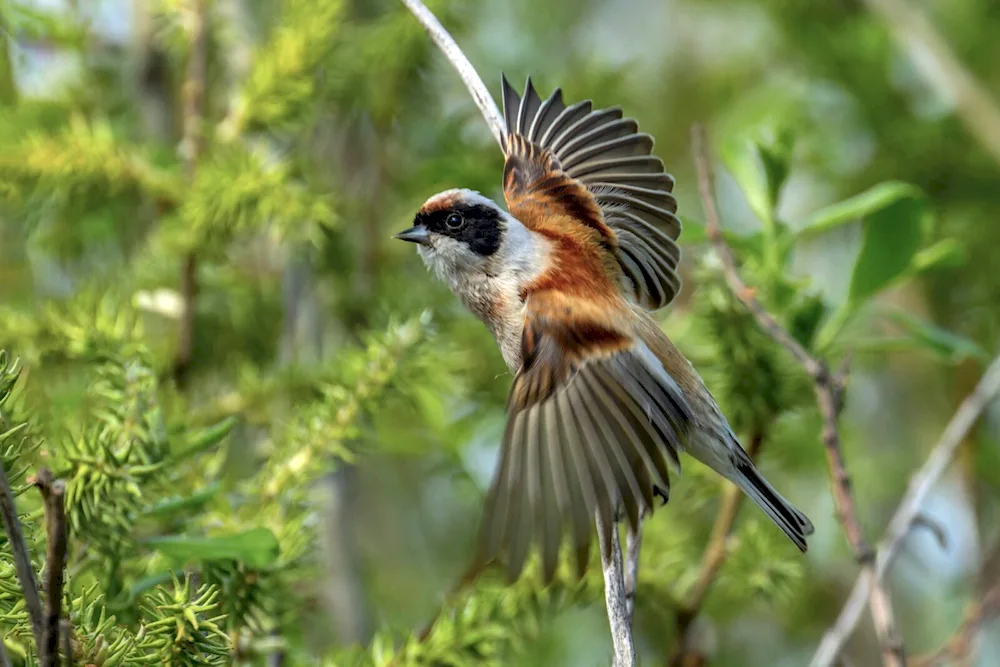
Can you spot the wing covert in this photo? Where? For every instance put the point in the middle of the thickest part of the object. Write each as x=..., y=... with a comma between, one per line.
x=599, y=169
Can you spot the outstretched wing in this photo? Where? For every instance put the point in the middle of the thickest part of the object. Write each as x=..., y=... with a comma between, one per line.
x=597, y=168
x=593, y=417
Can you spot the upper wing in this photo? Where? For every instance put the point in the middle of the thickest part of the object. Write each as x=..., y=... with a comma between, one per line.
x=595, y=167
x=593, y=417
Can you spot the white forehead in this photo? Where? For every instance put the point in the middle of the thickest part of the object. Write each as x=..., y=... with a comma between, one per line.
x=449, y=198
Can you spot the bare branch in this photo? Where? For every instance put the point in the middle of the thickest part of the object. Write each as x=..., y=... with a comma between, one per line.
x=942, y=70
x=909, y=510
x=828, y=390
x=633, y=545
x=480, y=94
x=54, y=496
x=615, y=597
x=22, y=561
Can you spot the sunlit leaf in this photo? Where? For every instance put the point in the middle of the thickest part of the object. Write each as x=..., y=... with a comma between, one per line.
x=858, y=208
x=892, y=236
x=949, y=252
x=742, y=158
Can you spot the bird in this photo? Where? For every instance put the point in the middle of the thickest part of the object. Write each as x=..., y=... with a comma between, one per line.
x=567, y=279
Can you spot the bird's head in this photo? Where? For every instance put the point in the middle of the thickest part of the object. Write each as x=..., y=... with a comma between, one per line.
x=459, y=233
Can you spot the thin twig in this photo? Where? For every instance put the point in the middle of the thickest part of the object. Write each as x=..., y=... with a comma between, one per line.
x=959, y=647
x=633, y=546
x=22, y=561
x=935, y=61
x=615, y=598
x=909, y=510
x=715, y=555
x=828, y=390
x=54, y=496
x=480, y=94
x=191, y=148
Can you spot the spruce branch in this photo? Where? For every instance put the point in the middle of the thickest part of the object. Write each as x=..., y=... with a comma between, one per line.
x=829, y=393
x=54, y=497
x=191, y=148
x=712, y=560
x=908, y=512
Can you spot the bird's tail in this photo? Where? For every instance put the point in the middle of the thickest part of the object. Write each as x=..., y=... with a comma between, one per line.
x=746, y=476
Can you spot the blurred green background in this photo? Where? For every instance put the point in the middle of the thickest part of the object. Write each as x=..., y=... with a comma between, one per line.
x=858, y=188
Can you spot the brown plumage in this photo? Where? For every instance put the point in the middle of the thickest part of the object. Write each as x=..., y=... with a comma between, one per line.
x=602, y=402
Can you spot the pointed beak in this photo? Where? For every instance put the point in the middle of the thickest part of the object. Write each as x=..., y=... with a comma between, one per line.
x=417, y=234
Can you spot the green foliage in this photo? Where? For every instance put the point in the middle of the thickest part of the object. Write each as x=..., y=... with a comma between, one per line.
x=182, y=628
x=493, y=626
x=211, y=524
x=237, y=191
x=282, y=84
x=80, y=159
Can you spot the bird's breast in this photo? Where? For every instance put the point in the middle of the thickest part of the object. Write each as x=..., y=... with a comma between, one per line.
x=497, y=303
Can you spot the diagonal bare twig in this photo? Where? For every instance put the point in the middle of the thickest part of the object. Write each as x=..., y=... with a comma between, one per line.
x=909, y=511
x=829, y=390
x=480, y=94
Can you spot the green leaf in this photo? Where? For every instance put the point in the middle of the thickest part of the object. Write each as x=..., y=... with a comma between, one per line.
x=857, y=208
x=948, y=345
x=743, y=160
x=892, y=237
x=257, y=547
x=949, y=252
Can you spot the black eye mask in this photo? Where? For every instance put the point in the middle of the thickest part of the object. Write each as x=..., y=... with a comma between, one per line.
x=475, y=225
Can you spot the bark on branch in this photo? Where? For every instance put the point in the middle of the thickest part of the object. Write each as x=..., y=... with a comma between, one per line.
x=908, y=512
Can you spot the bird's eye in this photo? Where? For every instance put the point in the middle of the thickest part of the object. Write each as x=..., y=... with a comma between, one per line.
x=454, y=220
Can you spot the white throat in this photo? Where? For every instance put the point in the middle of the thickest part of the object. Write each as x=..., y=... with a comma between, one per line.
x=491, y=287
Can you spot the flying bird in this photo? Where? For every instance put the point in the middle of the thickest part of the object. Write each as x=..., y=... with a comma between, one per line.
x=602, y=402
